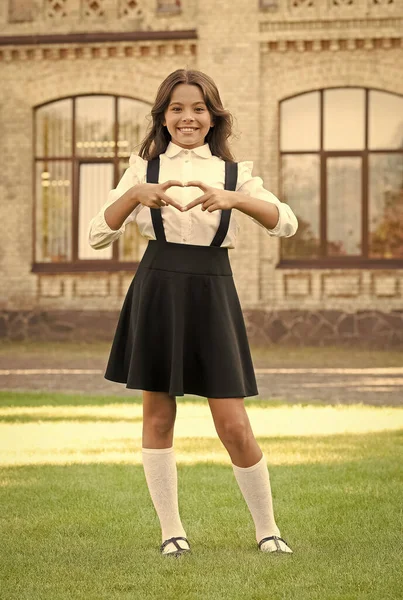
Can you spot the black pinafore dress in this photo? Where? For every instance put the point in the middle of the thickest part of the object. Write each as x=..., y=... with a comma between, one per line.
x=181, y=328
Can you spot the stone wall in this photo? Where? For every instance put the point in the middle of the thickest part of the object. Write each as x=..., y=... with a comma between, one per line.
x=365, y=328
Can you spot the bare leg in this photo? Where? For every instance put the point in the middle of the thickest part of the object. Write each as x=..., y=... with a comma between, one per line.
x=234, y=430
x=159, y=414
x=248, y=462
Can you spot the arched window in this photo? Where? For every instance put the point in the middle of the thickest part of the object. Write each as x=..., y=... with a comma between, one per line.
x=82, y=148
x=342, y=173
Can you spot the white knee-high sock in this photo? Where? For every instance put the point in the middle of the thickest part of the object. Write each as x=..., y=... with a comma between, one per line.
x=162, y=480
x=254, y=483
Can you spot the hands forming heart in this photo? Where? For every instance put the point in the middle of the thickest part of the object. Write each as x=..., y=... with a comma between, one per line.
x=154, y=196
x=213, y=198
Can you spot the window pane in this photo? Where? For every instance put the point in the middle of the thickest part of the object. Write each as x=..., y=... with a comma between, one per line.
x=300, y=123
x=53, y=211
x=133, y=123
x=386, y=205
x=301, y=191
x=385, y=120
x=54, y=128
x=131, y=244
x=96, y=180
x=344, y=206
x=344, y=119
x=95, y=119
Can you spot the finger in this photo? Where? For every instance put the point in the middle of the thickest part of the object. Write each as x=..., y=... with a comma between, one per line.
x=209, y=201
x=171, y=202
x=199, y=184
x=213, y=207
x=158, y=202
x=198, y=200
x=171, y=183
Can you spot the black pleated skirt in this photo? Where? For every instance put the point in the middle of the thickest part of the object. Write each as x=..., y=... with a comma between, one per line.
x=181, y=328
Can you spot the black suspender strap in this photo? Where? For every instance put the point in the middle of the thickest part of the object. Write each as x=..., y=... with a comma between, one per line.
x=231, y=176
x=153, y=171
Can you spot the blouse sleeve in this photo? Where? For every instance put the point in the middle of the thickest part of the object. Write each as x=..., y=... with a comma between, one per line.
x=287, y=223
x=100, y=235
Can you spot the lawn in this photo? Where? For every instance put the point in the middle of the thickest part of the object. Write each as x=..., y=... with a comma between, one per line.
x=77, y=520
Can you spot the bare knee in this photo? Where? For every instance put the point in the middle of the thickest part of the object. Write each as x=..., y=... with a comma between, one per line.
x=235, y=433
x=159, y=414
x=231, y=421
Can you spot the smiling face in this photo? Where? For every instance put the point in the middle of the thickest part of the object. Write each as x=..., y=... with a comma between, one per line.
x=187, y=117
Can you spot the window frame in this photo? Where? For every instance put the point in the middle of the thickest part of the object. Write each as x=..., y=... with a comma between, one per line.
x=75, y=264
x=323, y=261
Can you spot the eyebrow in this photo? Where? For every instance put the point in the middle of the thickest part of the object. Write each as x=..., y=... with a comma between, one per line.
x=181, y=103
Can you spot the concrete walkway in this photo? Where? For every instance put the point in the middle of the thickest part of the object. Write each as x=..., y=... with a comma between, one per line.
x=373, y=386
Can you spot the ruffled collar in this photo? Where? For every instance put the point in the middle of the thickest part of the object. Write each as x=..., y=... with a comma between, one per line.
x=173, y=150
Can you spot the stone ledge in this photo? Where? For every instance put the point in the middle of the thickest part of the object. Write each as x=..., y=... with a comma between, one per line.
x=369, y=328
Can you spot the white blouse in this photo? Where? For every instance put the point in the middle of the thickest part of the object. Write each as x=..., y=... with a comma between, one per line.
x=194, y=226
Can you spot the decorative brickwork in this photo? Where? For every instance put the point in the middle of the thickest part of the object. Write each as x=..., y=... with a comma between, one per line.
x=20, y=11
x=131, y=9
x=93, y=9
x=182, y=48
x=327, y=9
x=56, y=9
x=334, y=45
x=67, y=16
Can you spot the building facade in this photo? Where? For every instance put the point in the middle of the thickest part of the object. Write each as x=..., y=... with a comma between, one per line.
x=316, y=90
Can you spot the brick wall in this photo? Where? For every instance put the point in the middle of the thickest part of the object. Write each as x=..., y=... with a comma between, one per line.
x=257, y=58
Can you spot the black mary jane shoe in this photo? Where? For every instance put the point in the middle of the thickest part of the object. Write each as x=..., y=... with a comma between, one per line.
x=179, y=551
x=276, y=539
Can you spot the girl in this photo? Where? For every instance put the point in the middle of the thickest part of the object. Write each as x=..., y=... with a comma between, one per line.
x=181, y=329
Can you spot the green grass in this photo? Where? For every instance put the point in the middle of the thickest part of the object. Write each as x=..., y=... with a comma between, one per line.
x=39, y=398
x=77, y=522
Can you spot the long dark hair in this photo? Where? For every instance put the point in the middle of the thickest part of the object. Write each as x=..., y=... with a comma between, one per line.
x=158, y=138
